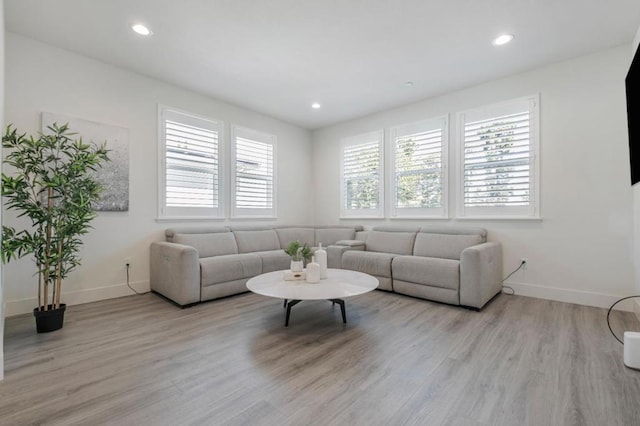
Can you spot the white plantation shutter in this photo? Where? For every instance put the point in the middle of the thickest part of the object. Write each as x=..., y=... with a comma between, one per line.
x=419, y=156
x=191, y=165
x=362, y=176
x=499, y=153
x=253, y=180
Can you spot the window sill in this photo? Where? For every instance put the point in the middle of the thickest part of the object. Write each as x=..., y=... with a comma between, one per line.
x=419, y=218
x=165, y=219
x=506, y=218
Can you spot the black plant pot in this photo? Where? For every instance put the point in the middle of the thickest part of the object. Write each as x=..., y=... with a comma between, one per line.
x=50, y=320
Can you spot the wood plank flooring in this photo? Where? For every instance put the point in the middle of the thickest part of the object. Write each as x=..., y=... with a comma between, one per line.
x=141, y=361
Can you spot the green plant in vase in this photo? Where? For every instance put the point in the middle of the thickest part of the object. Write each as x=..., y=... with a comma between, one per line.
x=299, y=253
x=50, y=182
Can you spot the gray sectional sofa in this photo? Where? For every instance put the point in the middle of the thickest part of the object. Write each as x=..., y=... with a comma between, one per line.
x=453, y=265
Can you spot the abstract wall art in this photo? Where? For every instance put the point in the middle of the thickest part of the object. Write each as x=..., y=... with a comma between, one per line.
x=114, y=175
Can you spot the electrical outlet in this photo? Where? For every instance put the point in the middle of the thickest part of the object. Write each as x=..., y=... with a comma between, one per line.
x=525, y=261
x=127, y=261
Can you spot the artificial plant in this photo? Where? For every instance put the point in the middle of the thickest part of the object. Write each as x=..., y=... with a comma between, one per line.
x=50, y=182
x=298, y=251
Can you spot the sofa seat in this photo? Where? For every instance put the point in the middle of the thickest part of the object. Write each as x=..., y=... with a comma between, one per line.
x=372, y=263
x=274, y=260
x=427, y=277
x=232, y=267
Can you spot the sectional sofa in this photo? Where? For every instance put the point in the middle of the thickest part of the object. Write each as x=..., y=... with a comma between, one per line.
x=453, y=265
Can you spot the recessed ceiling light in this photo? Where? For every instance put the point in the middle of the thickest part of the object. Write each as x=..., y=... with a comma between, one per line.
x=315, y=105
x=141, y=29
x=502, y=39
x=408, y=83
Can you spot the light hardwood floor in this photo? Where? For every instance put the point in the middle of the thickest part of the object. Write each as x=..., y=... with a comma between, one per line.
x=139, y=360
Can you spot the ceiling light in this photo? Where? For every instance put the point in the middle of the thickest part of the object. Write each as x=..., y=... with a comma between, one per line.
x=141, y=29
x=502, y=39
x=408, y=83
x=315, y=105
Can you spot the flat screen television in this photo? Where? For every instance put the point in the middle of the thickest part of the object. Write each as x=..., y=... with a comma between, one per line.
x=632, y=83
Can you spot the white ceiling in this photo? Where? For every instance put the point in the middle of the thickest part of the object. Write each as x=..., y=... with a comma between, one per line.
x=352, y=56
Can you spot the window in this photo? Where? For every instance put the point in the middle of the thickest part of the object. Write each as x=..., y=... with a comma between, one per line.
x=253, y=176
x=190, y=166
x=362, y=176
x=499, y=160
x=418, y=160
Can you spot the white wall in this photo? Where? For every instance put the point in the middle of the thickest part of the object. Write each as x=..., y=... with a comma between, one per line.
x=636, y=211
x=582, y=249
x=44, y=78
x=2, y=308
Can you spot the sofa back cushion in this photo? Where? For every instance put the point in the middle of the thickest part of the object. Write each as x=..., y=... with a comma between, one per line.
x=390, y=242
x=329, y=236
x=447, y=243
x=287, y=235
x=209, y=244
x=256, y=240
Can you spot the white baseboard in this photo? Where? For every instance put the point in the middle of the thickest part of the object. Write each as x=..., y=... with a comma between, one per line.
x=587, y=298
x=1, y=366
x=25, y=306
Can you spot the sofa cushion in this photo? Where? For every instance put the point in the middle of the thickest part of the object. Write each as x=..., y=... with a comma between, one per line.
x=214, y=244
x=391, y=242
x=328, y=236
x=274, y=260
x=445, y=246
x=444, y=273
x=378, y=264
x=256, y=240
x=287, y=235
x=221, y=269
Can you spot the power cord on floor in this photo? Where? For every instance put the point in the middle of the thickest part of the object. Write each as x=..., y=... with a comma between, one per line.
x=128, y=265
x=609, y=313
x=507, y=277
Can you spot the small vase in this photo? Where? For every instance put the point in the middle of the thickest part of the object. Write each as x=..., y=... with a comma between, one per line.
x=296, y=266
x=313, y=271
x=321, y=258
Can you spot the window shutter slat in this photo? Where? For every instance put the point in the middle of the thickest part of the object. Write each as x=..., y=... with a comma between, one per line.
x=496, y=161
x=192, y=164
x=254, y=173
x=418, y=169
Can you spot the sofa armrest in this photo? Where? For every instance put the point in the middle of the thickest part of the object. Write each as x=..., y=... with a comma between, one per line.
x=175, y=272
x=480, y=274
x=335, y=251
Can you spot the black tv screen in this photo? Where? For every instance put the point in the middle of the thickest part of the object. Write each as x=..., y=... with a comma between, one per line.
x=632, y=83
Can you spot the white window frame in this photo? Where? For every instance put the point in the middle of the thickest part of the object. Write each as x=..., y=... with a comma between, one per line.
x=244, y=213
x=410, y=129
x=188, y=213
x=532, y=211
x=378, y=136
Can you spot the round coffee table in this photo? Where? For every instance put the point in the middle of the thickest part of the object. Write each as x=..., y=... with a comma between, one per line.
x=340, y=283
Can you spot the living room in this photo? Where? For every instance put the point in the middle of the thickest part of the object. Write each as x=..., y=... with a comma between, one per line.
x=581, y=242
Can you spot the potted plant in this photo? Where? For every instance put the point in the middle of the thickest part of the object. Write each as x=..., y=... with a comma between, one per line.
x=299, y=253
x=50, y=182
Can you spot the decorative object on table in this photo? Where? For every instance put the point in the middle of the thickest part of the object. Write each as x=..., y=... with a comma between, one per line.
x=313, y=271
x=114, y=175
x=294, y=276
x=299, y=253
x=321, y=258
x=52, y=185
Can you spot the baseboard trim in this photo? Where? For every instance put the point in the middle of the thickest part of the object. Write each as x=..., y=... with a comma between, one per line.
x=1, y=366
x=25, y=306
x=587, y=298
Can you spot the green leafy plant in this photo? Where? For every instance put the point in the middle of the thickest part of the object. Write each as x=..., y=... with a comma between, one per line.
x=52, y=185
x=298, y=251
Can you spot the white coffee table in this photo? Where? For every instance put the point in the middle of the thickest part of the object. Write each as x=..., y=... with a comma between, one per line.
x=340, y=283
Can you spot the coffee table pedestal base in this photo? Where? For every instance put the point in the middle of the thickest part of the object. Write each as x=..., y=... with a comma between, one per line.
x=290, y=303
